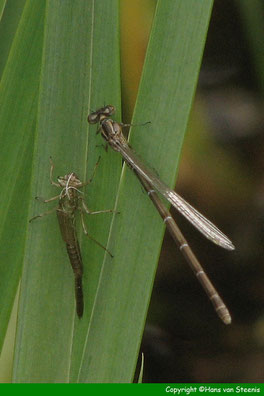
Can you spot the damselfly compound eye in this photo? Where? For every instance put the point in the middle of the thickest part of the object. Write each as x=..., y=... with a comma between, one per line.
x=93, y=118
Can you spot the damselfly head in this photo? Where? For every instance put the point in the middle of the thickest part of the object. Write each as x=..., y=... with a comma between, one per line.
x=101, y=114
x=70, y=180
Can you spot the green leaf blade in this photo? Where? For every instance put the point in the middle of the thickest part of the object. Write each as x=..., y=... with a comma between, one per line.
x=18, y=92
x=10, y=17
x=48, y=321
x=165, y=97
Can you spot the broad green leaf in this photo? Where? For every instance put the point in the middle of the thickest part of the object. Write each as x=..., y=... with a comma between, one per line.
x=104, y=88
x=80, y=68
x=18, y=100
x=2, y=7
x=165, y=97
x=11, y=15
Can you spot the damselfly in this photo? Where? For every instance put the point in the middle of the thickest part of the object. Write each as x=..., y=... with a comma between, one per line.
x=70, y=201
x=112, y=133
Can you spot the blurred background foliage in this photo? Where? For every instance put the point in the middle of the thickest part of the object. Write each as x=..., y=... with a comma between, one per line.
x=221, y=174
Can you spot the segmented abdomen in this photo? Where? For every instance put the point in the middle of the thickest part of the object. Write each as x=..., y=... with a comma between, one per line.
x=76, y=263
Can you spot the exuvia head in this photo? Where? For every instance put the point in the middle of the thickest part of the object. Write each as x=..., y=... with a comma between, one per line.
x=100, y=114
x=70, y=180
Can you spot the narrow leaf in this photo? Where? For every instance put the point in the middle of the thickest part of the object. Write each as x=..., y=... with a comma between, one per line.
x=11, y=14
x=18, y=93
x=165, y=97
x=50, y=335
